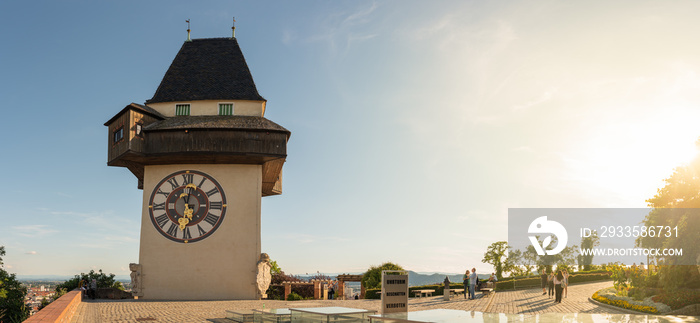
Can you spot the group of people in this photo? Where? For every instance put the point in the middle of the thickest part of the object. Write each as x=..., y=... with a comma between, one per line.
x=555, y=284
x=88, y=290
x=470, y=281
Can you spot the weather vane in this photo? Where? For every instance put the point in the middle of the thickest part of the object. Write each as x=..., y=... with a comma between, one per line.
x=233, y=29
x=188, y=30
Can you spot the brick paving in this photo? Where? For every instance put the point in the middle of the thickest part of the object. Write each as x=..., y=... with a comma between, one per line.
x=530, y=301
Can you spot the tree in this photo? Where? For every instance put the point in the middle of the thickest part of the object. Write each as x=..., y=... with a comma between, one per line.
x=373, y=277
x=274, y=267
x=586, y=261
x=496, y=256
x=672, y=206
x=12, y=294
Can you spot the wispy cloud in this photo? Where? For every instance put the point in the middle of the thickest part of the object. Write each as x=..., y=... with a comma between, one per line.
x=340, y=31
x=31, y=253
x=35, y=230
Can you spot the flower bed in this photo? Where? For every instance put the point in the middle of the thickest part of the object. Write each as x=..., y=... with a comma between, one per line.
x=679, y=299
x=648, y=305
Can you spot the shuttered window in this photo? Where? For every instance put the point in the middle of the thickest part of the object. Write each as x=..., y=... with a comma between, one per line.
x=182, y=110
x=225, y=109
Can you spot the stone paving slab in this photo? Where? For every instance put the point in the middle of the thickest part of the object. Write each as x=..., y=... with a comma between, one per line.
x=529, y=301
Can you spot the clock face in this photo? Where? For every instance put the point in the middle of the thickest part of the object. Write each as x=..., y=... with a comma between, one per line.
x=187, y=206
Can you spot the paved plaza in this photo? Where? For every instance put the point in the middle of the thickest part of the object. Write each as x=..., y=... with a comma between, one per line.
x=529, y=301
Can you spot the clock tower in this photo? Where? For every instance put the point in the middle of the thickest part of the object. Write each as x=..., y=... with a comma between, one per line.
x=204, y=155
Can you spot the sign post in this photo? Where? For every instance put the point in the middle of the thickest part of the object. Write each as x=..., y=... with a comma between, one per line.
x=394, y=291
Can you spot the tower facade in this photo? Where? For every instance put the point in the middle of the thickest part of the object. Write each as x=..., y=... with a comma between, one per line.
x=204, y=155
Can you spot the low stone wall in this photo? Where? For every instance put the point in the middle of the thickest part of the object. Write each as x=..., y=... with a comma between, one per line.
x=112, y=293
x=60, y=310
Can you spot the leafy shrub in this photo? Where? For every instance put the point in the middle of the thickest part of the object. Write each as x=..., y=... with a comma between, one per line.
x=373, y=293
x=294, y=297
x=640, y=293
x=679, y=298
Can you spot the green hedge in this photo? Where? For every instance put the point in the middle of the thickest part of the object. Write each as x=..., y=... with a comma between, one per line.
x=535, y=282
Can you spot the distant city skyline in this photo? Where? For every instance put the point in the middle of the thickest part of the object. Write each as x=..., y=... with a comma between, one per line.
x=415, y=125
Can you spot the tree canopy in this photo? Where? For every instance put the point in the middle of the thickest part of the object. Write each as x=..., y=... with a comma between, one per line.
x=12, y=293
x=103, y=281
x=496, y=256
x=373, y=277
x=674, y=206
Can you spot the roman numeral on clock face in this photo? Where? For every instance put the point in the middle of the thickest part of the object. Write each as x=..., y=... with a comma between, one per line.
x=213, y=191
x=211, y=219
x=186, y=234
x=215, y=205
x=187, y=179
x=202, y=182
x=172, y=231
x=163, y=193
x=200, y=230
x=173, y=183
x=162, y=220
x=160, y=206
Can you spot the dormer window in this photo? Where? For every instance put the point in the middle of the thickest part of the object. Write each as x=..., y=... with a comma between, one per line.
x=225, y=109
x=182, y=109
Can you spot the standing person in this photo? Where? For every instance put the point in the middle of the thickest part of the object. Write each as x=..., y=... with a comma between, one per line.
x=93, y=288
x=543, y=280
x=558, y=280
x=465, y=281
x=565, y=283
x=550, y=285
x=472, y=283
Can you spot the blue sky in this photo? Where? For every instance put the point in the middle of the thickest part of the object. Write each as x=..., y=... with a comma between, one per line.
x=415, y=124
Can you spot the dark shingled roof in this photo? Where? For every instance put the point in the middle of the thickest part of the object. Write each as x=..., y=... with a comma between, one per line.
x=216, y=122
x=140, y=108
x=207, y=69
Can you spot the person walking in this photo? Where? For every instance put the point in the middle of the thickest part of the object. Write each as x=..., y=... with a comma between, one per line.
x=550, y=285
x=465, y=281
x=558, y=280
x=543, y=280
x=565, y=283
x=472, y=283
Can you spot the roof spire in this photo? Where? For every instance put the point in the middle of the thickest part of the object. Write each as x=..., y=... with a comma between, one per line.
x=233, y=29
x=188, y=30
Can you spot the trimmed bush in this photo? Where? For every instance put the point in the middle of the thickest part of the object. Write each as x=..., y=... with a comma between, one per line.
x=294, y=297
x=372, y=293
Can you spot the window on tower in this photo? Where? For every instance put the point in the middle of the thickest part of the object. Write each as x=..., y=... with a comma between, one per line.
x=225, y=109
x=182, y=109
x=118, y=134
x=138, y=129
